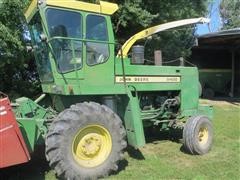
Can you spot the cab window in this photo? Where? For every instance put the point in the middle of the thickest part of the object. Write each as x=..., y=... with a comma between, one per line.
x=40, y=51
x=96, y=31
x=65, y=27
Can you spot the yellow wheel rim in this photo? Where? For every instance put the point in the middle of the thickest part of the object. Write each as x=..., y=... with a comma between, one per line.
x=203, y=136
x=91, y=146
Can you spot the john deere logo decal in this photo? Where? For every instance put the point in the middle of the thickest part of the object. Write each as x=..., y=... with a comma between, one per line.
x=148, y=79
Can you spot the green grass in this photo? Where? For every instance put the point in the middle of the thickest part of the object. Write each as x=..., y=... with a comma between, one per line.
x=166, y=160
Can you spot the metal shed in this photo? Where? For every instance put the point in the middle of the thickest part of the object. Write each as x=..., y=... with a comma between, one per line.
x=218, y=57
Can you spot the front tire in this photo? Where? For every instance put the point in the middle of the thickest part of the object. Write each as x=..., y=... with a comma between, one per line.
x=85, y=141
x=198, y=135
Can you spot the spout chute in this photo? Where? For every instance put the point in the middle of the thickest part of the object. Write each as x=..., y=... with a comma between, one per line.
x=156, y=29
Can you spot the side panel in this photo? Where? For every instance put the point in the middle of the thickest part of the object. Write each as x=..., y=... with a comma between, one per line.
x=13, y=149
x=29, y=132
x=133, y=122
x=189, y=91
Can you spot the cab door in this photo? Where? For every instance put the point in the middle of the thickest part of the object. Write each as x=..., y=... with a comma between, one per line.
x=99, y=51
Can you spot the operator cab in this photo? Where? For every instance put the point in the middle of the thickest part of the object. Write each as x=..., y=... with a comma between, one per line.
x=69, y=37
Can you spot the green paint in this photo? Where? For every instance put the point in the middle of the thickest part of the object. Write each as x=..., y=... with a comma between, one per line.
x=29, y=131
x=31, y=118
x=216, y=79
x=133, y=122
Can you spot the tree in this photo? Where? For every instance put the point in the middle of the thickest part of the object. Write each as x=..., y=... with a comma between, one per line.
x=145, y=13
x=16, y=66
x=229, y=11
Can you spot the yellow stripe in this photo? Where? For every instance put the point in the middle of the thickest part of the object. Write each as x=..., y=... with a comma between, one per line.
x=101, y=8
x=108, y=8
x=31, y=10
x=74, y=5
x=148, y=79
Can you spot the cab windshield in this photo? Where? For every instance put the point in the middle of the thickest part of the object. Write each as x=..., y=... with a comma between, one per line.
x=65, y=30
x=66, y=39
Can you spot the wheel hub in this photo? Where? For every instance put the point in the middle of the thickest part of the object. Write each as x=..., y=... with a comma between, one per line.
x=203, y=136
x=91, y=146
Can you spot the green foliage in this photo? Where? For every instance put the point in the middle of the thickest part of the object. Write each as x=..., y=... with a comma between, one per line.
x=229, y=11
x=17, y=69
x=174, y=43
x=10, y=30
x=132, y=17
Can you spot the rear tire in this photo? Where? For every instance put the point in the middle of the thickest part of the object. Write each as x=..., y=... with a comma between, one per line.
x=198, y=135
x=200, y=89
x=85, y=141
x=208, y=93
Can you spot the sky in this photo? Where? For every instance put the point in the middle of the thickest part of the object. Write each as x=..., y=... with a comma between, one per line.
x=214, y=15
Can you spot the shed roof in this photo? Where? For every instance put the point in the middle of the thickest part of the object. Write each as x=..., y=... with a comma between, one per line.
x=227, y=39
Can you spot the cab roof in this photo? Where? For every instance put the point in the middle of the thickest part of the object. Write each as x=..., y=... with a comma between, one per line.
x=101, y=8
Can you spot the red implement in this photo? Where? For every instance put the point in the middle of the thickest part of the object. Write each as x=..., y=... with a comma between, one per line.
x=13, y=149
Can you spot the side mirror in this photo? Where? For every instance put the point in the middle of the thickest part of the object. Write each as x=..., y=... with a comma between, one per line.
x=43, y=37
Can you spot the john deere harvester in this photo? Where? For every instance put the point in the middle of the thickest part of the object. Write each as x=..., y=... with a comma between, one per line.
x=95, y=102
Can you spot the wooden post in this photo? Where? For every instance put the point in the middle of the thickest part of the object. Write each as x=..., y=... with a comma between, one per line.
x=158, y=57
x=182, y=61
x=233, y=74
